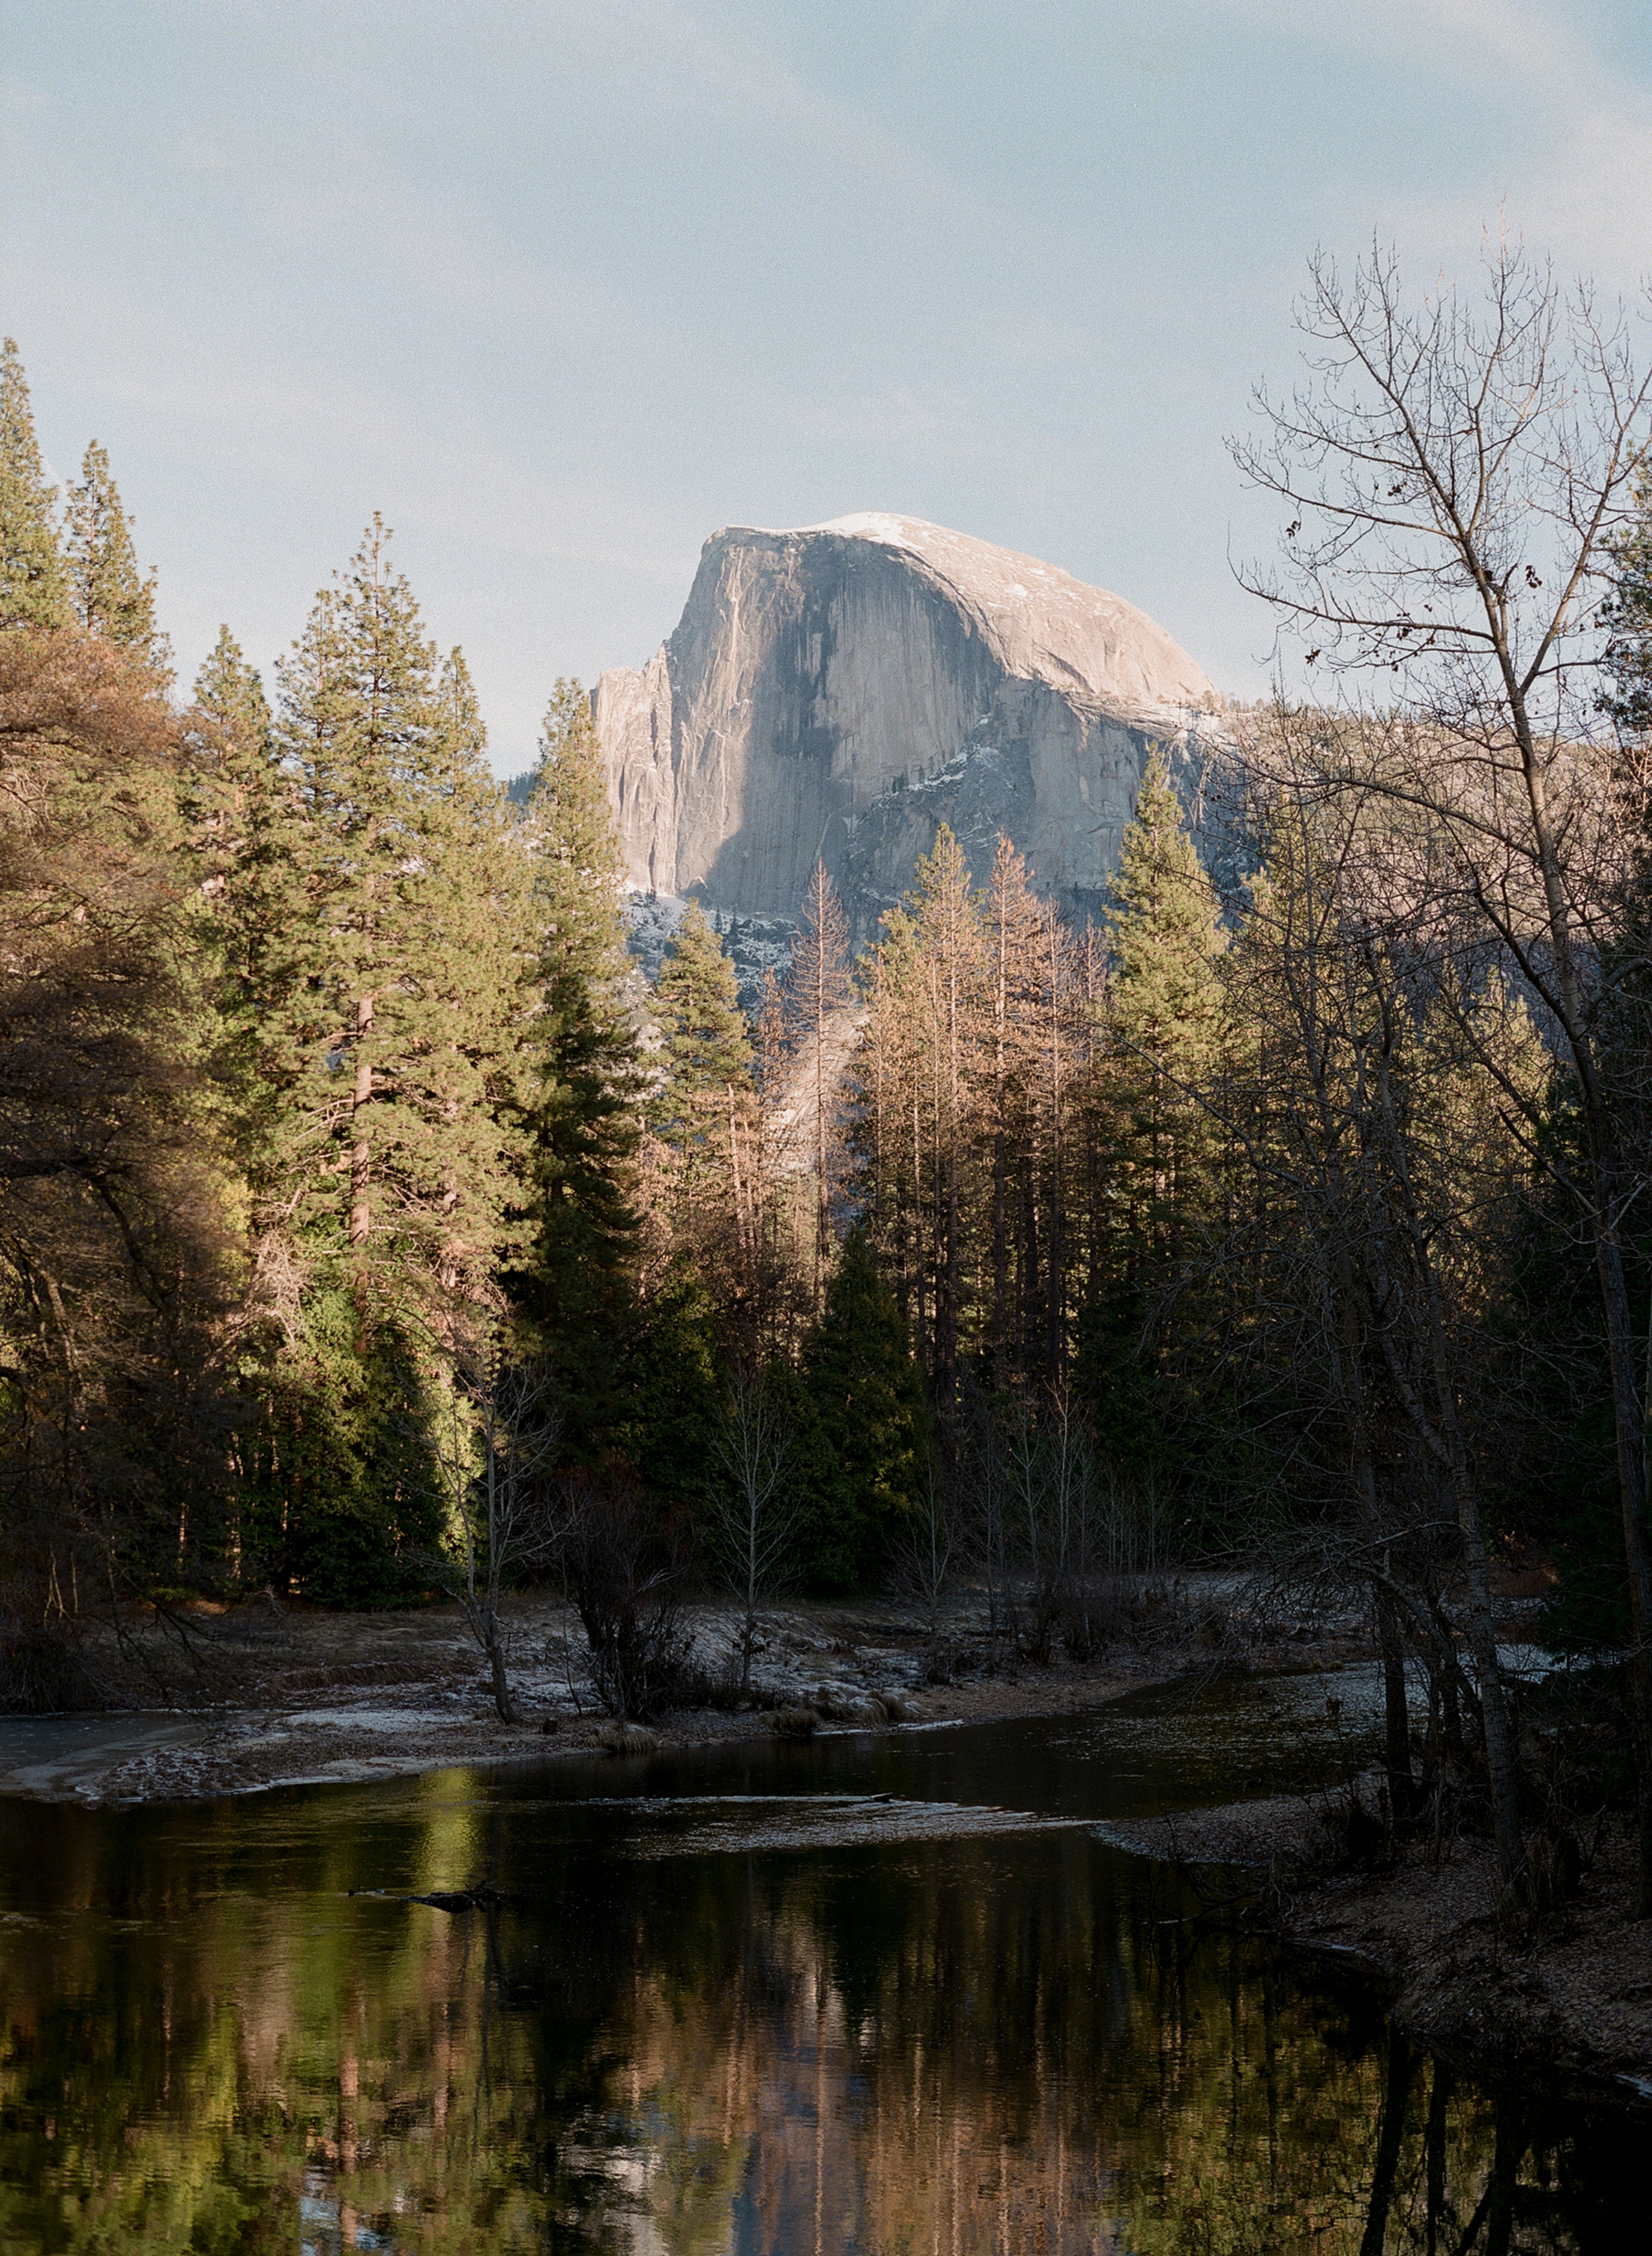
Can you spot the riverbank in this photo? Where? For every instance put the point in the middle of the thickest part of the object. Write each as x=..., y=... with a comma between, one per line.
x=277, y=1695
x=270, y=1694
x=1565, y=1996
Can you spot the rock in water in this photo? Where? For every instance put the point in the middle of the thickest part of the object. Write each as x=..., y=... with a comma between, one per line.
x=842, y=690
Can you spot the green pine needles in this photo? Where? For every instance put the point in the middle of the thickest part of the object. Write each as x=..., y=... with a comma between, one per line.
x=34, y=587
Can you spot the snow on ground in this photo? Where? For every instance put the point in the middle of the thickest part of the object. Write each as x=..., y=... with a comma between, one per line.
x=754, y=945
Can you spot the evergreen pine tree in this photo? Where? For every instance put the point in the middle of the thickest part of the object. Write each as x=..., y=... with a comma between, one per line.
x=1628, y=615
x=415, y=932
x=707, y=1044
x=575, y=1286
x=1165, y=1010
x=105, y=592
x=579, y=884
x=33, y=584
x=240, y=835
x=1161, y=1037
x=231, y=692
x=869, y=1404
x=354, y=726
x=669, y=1390
x=375, y=896
x=233, y=788
x=386, y=1038
x=705, y=1114
x=473, y=932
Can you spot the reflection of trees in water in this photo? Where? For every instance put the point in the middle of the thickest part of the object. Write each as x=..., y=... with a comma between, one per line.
x=955, y=2048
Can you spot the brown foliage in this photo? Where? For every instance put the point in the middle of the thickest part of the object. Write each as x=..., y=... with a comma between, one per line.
x=113, y=1243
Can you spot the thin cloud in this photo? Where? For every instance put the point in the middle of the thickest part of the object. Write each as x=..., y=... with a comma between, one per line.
x=1580, y=181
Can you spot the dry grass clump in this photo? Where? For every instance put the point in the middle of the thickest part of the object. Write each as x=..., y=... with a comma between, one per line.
x=799, y=1722
x=830, y=1707
x=628, y=1739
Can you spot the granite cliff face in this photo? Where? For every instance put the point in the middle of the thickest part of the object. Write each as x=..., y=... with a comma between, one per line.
x=842, y=690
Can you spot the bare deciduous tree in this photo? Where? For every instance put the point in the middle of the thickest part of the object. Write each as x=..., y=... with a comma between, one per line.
x=927, y=1550
x=1455, y=475
x=1382, y=1165
x=818, y=989
x=496, y=1441
x=627, y=1569
x=753, y=1517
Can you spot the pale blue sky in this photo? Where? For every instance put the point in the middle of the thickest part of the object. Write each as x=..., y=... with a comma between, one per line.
x=562, y=288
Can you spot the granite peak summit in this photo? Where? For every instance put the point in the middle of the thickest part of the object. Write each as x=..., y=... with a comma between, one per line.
x=840, y=689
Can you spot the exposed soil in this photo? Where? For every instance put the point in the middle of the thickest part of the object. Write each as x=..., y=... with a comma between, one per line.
x=1567, y=1997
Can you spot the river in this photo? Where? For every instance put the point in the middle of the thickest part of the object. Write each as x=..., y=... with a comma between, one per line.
x=871, y=1993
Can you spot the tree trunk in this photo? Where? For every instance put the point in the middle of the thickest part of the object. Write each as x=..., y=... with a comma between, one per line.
x=1501, y=1755
x=1630, y=1415
x=502, y=1699
x=1350, y=1386
x=1390, y=2138
x=1629, y=1410
x=361, y=1151
x=1396, y=1721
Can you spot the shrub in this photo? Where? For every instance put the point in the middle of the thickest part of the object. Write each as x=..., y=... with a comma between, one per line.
x=627, y=1569
x=793, y=1722
x=41, y=1671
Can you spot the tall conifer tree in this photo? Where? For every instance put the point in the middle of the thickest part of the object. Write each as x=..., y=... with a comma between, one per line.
x=869, y=1401
x=413, y=927
x=705, y=1114
x=1164, y=1012
x=242, y=833
x=106, y=596
x=1160, y=1040
x=236, y=799
x=707, y=1044
x=475, y=938
x=33, y=583
x=386, y=1184
x=576, y=1280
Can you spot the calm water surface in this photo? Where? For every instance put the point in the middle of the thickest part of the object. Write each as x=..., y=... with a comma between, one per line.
x=889, y=1994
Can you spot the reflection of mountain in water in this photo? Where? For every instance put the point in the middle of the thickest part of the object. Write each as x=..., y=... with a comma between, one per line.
x=992, y=2041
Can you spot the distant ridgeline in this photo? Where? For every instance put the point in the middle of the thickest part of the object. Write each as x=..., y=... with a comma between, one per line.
x=840, y=692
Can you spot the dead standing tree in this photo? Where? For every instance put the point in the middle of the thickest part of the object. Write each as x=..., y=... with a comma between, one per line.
x=818, y=990
x=498, y=1444
x=1454, y=477
x=753, y=1517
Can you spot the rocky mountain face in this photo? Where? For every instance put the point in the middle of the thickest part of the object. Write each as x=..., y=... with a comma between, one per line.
x=842, y=690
